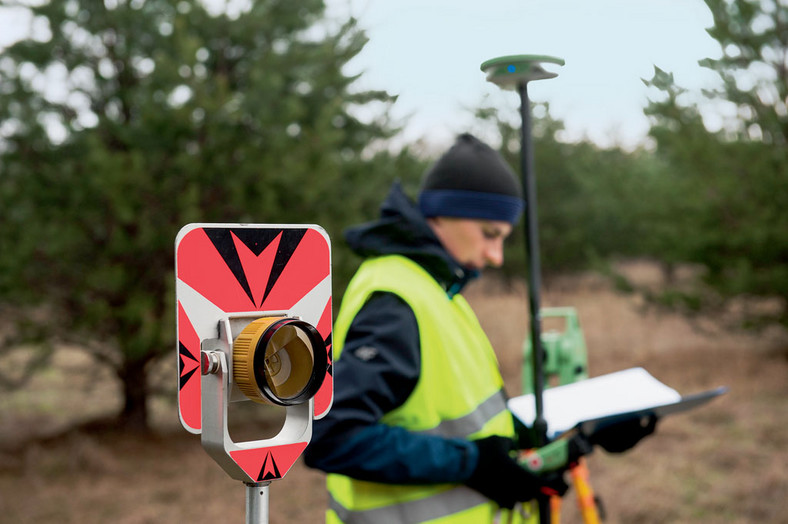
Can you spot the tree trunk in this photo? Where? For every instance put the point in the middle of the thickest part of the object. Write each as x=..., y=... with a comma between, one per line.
x=133, y=376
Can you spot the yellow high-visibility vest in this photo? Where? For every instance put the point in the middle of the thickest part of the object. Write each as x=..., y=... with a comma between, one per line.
x=459, y=394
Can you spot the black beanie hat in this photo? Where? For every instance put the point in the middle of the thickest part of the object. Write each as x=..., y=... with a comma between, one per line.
x=471, y=180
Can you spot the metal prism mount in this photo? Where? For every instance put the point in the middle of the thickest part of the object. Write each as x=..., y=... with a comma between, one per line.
x=267, y=459
x=511, y=71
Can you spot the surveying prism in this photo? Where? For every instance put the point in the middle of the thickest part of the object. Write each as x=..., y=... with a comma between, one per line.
x=253, y=324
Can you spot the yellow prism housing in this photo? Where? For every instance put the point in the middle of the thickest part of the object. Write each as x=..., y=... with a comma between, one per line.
x=279, y=360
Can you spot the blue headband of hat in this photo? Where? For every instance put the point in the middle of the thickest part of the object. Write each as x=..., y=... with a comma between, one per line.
x=470, y=204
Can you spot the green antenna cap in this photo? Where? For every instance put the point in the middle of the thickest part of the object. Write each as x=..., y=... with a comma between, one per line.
x=510, y=71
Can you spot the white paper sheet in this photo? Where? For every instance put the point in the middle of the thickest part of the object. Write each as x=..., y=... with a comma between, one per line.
x=620, y=392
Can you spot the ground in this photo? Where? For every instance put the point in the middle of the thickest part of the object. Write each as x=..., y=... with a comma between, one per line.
x=725, y=462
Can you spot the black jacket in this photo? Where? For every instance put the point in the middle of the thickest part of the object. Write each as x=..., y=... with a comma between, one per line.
x=380, y=366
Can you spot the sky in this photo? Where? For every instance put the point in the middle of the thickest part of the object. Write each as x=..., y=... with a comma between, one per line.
x=428, y=53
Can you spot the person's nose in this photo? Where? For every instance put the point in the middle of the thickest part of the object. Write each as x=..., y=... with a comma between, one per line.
x=494, y=252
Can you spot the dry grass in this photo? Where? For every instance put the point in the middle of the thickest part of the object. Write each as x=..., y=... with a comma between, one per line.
x=722, y=463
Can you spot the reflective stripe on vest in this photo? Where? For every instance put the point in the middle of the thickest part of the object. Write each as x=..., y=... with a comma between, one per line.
x=473, y=421
x=446, y=503
x=462, y=505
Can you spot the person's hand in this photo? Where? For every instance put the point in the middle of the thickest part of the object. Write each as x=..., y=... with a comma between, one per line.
x=577, y=447
x=622, y=436
x=498, y=477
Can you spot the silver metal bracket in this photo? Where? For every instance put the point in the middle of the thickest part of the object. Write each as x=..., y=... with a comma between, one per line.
x=215, y=436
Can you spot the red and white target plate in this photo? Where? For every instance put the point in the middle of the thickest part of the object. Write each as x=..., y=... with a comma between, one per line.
x=224, y=269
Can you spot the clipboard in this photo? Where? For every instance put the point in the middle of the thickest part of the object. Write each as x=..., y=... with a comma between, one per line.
x=597, y=402
x=688, y=402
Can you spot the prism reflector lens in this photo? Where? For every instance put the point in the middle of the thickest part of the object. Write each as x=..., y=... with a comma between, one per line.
x=279, y=360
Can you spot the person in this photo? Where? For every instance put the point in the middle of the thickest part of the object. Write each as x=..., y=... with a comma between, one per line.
x=419, y=430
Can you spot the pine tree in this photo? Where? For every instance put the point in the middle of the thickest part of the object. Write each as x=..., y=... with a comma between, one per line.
x=730, y=185
x=123, y=120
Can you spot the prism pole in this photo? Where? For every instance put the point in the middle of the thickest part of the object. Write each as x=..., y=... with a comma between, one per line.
x=257, y=502
x=514, y=72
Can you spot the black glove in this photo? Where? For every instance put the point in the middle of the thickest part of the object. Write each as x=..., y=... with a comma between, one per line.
x=526, y=436
x=621, y=436
x=498, y=476
x=578, y=446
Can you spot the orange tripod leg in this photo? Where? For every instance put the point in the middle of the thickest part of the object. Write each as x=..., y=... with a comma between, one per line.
x=585, y=495
x=555, y=509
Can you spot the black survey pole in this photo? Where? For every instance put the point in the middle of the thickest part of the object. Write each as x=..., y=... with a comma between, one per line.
x=515, y=72
x=534, y=267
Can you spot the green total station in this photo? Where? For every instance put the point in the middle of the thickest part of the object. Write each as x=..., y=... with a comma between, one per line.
x=565, y=359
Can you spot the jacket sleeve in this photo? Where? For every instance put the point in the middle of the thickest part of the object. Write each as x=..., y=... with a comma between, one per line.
x=376, y=373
